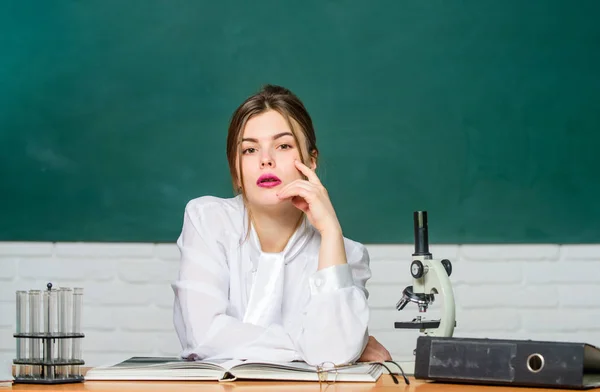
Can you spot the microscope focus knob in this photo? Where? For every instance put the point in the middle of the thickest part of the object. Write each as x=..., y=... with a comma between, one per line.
x=416, y=269
x=447, y=266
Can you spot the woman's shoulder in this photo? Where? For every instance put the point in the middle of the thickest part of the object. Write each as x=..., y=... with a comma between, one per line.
x=218, y=209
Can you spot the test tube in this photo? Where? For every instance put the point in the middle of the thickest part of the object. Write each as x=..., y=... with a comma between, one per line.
x=34, y=328
x=49, y=328
x=60, y=328
x=21, y=328
x=77, y=311
x=65, y=310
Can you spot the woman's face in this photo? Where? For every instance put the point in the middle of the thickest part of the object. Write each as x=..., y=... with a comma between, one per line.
x=268, y=152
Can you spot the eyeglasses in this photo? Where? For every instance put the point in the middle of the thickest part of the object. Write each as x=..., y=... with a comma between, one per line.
x=327, y=368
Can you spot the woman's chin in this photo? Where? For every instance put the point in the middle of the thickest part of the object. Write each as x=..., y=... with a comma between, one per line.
x=267, y=200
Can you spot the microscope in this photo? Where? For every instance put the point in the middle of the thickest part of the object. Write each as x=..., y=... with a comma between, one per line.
x=430, y=277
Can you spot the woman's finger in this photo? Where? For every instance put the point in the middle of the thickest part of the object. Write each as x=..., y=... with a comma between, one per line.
x=293, y=184
x=300, y=203
x=310, y=188
x=311, y=175
x=294, y=191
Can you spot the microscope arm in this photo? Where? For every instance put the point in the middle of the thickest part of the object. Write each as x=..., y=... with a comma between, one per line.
x=442, y=287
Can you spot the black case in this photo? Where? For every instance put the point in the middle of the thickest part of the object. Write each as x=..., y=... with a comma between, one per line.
x=508, y=362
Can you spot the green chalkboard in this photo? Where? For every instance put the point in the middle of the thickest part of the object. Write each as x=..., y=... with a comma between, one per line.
x=486, y=114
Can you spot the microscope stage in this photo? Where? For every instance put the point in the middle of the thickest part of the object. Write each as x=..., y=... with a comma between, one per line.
x=422, y=324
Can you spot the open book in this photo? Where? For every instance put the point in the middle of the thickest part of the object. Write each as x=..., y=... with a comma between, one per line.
x=171, y=368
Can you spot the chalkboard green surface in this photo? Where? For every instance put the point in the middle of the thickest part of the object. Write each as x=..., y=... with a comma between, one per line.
x=486, y=114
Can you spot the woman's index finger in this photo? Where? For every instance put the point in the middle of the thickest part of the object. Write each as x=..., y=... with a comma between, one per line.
x=311, y=175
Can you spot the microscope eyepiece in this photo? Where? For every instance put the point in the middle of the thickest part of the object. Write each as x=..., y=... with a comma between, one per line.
x=421, y=235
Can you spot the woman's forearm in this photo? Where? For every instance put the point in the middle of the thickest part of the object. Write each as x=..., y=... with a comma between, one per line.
x=332, y=250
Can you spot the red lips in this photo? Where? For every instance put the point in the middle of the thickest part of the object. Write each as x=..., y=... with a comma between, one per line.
x=268, y=181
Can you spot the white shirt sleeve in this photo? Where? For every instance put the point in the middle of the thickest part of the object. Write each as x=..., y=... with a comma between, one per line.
x=201, y=299
x=335, y=322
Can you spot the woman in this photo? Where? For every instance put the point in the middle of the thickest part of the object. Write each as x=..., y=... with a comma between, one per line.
x=267, y=275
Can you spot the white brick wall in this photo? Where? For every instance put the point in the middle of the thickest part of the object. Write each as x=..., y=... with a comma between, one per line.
x=538, y=292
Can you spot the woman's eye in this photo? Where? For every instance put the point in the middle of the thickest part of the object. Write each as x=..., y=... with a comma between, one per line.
x=249, y=150
x=285, y=146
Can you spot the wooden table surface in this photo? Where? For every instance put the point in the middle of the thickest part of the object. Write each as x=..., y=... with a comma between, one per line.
x=385, y=383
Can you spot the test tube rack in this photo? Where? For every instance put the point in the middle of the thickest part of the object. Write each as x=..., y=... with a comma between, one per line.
x=50, y=354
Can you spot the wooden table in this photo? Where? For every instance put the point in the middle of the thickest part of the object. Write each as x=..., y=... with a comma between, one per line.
x=385, y=383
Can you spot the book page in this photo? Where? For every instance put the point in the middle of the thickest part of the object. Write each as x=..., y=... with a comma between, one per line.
x=165, y=363
x=227, y=364
x=161, y=368
x=302, y=371
x=302, y=366
x=297, y=365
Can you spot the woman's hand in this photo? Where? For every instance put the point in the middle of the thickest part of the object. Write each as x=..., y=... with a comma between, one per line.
x=374, y=352
x=311, y=197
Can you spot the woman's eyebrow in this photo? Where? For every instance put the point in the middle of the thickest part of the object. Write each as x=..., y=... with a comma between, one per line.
x=282, y=134
x=277, y=136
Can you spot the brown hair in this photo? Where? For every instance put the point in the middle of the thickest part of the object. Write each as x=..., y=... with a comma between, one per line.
x=286, y=103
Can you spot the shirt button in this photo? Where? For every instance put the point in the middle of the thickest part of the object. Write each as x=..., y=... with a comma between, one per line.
x=318, y=282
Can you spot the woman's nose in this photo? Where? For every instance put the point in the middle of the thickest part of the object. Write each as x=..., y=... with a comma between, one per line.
x=267, y=162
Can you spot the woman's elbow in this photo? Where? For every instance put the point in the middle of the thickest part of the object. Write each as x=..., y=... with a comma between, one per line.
x=335, y=351
x=338, y=343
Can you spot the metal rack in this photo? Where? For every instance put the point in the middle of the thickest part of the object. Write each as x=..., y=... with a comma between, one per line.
x=49, y=352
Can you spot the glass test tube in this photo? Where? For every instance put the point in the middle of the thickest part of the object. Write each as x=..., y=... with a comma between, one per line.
x=77, y=312
x=49, y=327
x=34, y=328
x=21, y=327
x=65, y=312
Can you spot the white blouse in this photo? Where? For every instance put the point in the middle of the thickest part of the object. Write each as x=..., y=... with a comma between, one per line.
x=234, y=301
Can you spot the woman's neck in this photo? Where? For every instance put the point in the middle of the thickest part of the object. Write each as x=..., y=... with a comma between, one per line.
x=274, y=228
